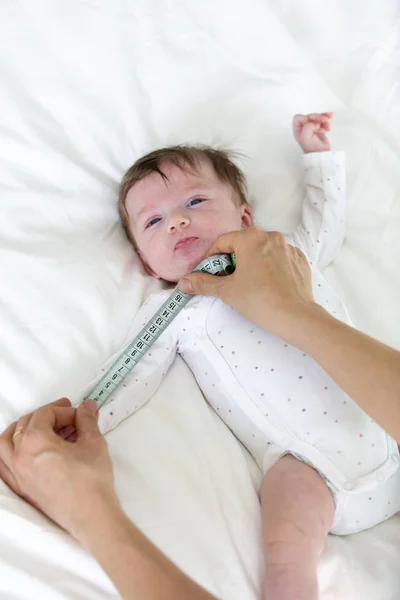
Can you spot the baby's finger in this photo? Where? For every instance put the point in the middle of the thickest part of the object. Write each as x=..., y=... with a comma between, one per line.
x=298, y=123
x=318, y=117
x=328, y=114
x=311, y=128
x=300, y=119
x=322, y=137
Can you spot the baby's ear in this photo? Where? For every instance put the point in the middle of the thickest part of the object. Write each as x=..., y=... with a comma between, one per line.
x=246, y=215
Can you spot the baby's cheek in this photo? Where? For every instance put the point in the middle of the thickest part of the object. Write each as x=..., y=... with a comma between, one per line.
x=160, y=265
x=228, y=222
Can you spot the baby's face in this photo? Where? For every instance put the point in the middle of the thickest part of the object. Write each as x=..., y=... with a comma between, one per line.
x=176, y=220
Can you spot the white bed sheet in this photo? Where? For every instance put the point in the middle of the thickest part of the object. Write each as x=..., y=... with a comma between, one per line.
x=88, y=86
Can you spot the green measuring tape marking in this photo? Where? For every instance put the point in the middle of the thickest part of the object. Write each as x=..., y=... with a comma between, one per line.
x=135, y=351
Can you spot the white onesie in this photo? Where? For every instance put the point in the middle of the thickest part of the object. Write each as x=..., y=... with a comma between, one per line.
x=274, y=397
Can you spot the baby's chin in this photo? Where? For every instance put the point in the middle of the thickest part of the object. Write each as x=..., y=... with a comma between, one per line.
x=183, y=261
x=176, y=275
x=185, y=266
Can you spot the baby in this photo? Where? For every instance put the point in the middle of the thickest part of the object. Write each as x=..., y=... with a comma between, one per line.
x=327, y=466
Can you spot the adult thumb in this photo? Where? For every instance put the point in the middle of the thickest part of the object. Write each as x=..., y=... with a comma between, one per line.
x=86, y=417
x=202, y=283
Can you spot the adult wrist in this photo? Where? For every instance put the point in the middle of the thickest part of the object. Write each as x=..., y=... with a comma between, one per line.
x=303, y=323
x=296, y=325
x=103, y=508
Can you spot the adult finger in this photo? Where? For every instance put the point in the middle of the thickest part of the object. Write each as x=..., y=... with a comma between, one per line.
x=86, y=418
x=7, y=433
x=7, y=476
x=8, y=439
x=226, y=243
x=51, y=417
x=65, y=432
x=275, y=239
x=61, y=402
x=6, y=445
x=234, y=241
x=202, y=283
x=297, y=251
x=20, y=428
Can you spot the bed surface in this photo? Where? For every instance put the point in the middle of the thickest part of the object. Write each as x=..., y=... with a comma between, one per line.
x=86, y=88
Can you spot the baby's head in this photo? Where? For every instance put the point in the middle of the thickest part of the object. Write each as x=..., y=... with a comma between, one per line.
x=175, y=202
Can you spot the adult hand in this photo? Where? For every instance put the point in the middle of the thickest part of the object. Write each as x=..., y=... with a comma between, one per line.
x=271, y=283
x=61, y=478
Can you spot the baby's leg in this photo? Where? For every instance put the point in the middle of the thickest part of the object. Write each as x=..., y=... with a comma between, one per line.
x=297, y=513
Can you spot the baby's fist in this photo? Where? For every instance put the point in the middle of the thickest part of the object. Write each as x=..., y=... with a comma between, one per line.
x=309, y=131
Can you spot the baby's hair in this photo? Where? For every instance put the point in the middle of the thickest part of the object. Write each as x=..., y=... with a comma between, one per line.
x=183, y=157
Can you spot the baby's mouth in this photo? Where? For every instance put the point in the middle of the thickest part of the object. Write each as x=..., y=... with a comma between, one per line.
x=185, y=243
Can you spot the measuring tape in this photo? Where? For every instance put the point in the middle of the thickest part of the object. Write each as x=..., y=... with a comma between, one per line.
x=134, y=352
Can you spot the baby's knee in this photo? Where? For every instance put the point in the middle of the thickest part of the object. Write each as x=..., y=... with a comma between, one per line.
x=300, y=480
x=300, y=500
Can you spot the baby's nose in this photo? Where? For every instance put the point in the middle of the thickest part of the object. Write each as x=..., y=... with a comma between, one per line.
x=178, y=221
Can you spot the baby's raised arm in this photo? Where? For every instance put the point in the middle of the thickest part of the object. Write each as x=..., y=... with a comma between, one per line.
x=322, y=229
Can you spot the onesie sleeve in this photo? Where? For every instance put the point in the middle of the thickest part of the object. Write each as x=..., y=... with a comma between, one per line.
x=146, y=376
x=323, y=220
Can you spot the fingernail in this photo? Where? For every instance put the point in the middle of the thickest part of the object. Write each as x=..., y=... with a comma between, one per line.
x=185, y=285
x=91, y=406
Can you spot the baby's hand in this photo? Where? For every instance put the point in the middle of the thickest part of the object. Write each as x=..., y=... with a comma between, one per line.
x=309, y=131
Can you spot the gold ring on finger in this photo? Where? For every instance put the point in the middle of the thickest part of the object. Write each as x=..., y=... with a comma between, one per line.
x=17, y=432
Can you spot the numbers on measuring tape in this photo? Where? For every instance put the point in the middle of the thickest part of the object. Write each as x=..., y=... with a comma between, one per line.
x=148, y=335
x=134, y=352
x=206, y=268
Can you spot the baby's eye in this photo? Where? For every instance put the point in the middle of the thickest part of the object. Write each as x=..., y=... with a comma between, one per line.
x=152, y=222
x=196, y=201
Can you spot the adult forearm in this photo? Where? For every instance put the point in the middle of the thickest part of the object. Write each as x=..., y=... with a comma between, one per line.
x=136, y=567
x=367, y=370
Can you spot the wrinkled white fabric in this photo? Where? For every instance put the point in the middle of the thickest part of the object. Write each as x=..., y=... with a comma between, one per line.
x=86, y=88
